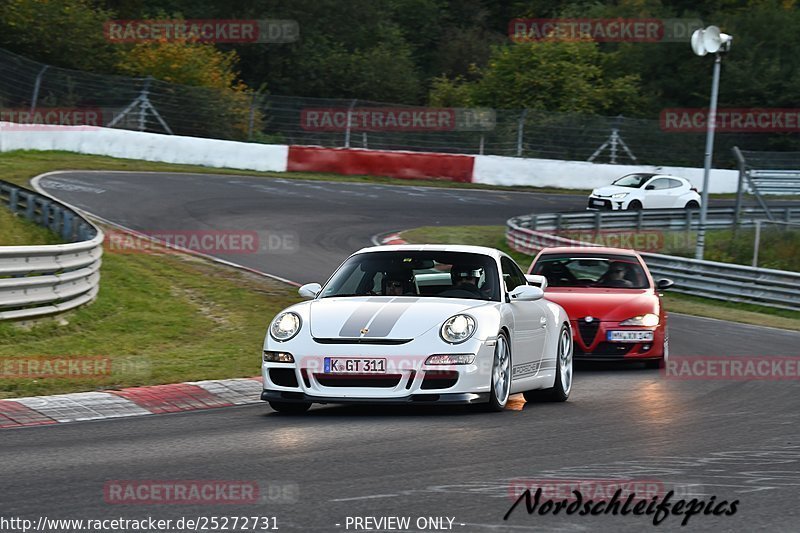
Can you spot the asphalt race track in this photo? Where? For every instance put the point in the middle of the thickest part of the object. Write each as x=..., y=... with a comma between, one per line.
x=724, y=439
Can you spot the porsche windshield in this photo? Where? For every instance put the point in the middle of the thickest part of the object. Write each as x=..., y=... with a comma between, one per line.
x=634, y=181
x=418, y=274
x=592, y=270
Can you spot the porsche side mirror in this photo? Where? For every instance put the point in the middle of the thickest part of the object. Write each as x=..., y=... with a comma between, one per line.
x=537, y=281
x=526, y=293
x=650, y=188
x=664, y=284
x=309, y=291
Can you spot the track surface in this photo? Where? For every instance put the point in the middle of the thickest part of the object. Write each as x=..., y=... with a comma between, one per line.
x=732, y=440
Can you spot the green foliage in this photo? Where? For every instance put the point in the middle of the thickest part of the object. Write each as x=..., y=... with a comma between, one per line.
x=66, y=33
x=448, y=52
x=549, y=75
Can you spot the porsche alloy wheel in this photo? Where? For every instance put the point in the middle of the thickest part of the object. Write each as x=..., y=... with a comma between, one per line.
x=501, y=374
x=562, y=385
x=565, y=360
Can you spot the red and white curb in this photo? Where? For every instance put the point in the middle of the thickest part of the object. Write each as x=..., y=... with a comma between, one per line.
x=135, y=401
x=383, y=239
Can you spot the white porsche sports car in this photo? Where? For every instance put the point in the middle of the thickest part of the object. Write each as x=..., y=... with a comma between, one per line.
x=419, y=324
x=646, y=191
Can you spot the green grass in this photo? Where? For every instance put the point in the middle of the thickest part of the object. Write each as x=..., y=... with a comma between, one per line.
x=160, y=319
x=494, y=236
x=16, y=230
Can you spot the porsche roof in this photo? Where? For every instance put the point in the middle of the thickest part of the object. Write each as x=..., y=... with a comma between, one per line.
x=483, y=250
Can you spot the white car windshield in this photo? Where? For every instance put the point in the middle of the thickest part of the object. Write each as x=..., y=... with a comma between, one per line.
x=632, y=180
x=416, y=273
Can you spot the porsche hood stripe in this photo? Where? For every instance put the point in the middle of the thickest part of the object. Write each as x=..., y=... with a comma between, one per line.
x=361, y=317
x=387, y=317
x=377, y=316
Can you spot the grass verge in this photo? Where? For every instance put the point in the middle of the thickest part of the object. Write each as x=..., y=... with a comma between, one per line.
x=494, y=236
x=18, y=231
x=158, y=319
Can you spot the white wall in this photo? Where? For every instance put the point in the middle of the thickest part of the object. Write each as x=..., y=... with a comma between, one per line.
x=489, y=169
x=145, y=146
x=499, y=170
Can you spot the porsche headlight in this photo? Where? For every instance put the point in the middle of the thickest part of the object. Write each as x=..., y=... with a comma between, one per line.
x=648, y=319
x=457, y=329
x=285, y=326
x=619, y=195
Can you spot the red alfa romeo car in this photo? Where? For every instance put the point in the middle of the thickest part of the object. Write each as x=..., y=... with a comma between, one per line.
x=611, y=299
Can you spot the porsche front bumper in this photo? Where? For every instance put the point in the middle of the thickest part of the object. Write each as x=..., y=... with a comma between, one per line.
x=407, y=378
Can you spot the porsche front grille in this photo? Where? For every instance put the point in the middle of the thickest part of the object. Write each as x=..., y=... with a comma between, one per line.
x=361, y=340
x=388, y=381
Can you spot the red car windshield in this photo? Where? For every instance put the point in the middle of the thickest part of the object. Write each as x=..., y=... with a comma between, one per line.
x=591, y=270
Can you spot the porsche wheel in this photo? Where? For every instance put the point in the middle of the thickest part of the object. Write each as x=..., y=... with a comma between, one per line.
x=635, y=205
x=501, y=374
x=290, y=408
x=562, y=386
x=692, y=205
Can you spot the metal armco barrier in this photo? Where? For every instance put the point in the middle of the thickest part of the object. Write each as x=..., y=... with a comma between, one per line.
x=722, y=281
x=41, y=280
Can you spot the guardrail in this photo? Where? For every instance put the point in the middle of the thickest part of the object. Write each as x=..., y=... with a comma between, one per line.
x=711, y=279
x=41, y=280
x=662, y=219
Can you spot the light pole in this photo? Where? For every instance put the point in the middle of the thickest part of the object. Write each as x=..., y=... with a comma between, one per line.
x=703, y=42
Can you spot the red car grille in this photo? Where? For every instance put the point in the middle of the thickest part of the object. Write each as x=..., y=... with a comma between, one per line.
x=588, y=331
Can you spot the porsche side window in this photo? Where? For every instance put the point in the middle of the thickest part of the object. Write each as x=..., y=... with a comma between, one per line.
x=512, y=275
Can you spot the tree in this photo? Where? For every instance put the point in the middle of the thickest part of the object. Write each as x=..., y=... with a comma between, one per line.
x=222, y=108
x=552, y=76
x=65, y=33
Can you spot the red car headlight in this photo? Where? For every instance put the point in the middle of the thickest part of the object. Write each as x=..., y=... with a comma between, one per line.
x=648, y=319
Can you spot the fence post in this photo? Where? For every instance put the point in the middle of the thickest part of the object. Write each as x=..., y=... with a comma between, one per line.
x=37, y=84
x=251, y=119
x=520, y=131
x=739, y=188
x=347, y=130
x=756, y=243
x=480, y=151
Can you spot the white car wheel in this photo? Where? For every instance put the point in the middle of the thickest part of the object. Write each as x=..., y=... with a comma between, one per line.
x=501, y=374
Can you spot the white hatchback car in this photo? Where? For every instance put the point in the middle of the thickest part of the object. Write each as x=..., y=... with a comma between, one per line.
x=646, y=191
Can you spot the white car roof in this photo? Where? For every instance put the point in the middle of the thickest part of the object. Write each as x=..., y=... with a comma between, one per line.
x=483, y=250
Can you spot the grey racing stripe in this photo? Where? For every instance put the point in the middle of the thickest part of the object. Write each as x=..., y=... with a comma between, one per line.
x=361, y=316
x=387, y=317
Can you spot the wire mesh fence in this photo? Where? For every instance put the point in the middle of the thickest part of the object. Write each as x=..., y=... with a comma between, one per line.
x=29, y=89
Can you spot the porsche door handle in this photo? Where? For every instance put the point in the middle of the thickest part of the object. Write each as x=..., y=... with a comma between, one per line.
x=543, y=321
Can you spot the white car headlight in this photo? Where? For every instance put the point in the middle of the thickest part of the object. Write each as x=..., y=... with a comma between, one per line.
x=648, y=319
x=619, y=195
x=457, y=329
x=285, y=326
